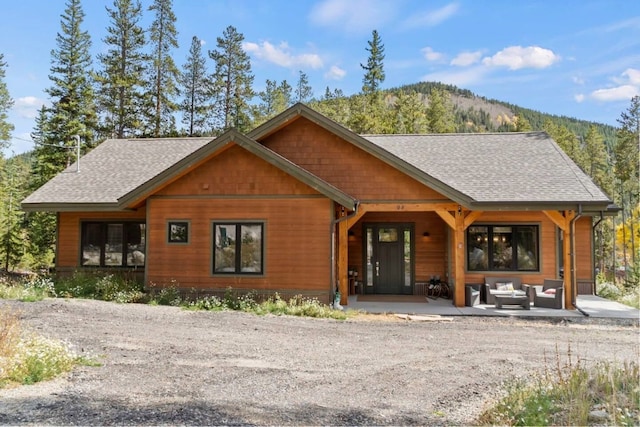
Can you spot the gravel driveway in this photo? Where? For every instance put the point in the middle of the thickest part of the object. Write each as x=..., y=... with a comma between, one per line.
x=165, y=365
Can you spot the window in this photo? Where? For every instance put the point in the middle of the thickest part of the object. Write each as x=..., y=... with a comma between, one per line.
x=238, y=248
x=113, y=244
x=502, y=248
x=178, y=232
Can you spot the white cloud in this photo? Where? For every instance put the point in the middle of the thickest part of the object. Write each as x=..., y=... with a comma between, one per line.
x=465, y=59
x=517, y=57
x=335, y=73
x=579, y=97
x=619, y=93
x=282, y=56
x=354, y=16
x=432, y=17
x=577, y=80
x=430, y=54
x=28, y=106
x=627, y=86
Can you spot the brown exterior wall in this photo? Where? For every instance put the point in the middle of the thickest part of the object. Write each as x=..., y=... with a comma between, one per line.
x=345, y=166
x=297, y=244
x=297, y=223
x=68, y=245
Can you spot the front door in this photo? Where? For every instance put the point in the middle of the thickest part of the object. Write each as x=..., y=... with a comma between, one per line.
x=389, y=254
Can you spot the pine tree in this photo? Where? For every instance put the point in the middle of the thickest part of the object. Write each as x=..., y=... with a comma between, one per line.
x=163, y=73
x=410, y=113
x=596, y=159
x=232, y=80
x=72, y=114
x=196, y=104
x=13, y=178
x=374, y=70
x=275, y=99
x=121, y=81
x=304, y=91
x=439, y=114
x=567, y=140
x=5, y=105
x=71, y=118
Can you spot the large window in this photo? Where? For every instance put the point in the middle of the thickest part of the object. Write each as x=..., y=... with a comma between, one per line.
x=113, y=244
x=502, y=248
x=238, y=248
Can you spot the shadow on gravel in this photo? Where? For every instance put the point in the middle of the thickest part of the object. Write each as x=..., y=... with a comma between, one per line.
x=42, y=411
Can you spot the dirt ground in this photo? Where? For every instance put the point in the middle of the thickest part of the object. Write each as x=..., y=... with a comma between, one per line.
x=165, y=365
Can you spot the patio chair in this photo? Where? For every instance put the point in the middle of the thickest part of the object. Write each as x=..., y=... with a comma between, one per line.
x=549, y=295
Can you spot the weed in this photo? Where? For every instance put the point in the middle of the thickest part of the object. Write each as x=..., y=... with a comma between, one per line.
x=569, y=394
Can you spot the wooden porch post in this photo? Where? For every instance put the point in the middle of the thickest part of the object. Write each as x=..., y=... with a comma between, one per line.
x=564, y=223
x=343, y=261
x=458, y=244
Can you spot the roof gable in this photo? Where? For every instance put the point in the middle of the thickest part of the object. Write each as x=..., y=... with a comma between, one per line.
x=123, y=173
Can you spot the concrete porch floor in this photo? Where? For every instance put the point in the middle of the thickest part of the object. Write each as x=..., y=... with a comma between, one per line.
x=591, y=306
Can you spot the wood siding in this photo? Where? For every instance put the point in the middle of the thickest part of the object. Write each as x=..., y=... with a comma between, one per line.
x=296, y=220
x=296, y=237
x=344, y=165
x=69, y=228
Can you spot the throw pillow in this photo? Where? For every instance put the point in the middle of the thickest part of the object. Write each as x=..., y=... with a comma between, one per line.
x=501, y=287
x=509, y=286
x=550, y=291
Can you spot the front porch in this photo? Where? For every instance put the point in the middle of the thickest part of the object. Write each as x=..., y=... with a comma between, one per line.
x=589, y=306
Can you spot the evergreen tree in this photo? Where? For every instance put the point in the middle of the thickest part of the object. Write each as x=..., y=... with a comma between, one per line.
x=440, y=116
x=596, y=159
x=164, y=75
x=13, y=179
x=567, y=140
x=233, y=81
x=275, y=99
x=121, y=81
x=5, y=105
x=374, y=70
x=196, y=104
x=304, y=91
x=410, y=113
x=72, y=114
x=334, y=105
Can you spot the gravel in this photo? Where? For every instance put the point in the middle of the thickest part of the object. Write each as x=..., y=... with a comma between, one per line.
x=167, y=366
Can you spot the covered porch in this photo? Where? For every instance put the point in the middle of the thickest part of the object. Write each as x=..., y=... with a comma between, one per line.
x=396, y=248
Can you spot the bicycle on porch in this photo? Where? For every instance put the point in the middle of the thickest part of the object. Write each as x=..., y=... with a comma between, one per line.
x=438, y=288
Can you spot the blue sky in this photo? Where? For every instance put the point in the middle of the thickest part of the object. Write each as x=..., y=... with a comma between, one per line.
x=579, y=58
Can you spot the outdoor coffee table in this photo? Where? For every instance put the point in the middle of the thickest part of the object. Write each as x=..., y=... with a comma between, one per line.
x=521, y=300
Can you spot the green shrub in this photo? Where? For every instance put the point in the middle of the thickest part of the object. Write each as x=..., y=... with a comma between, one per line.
x=97, y=285
x=26, y=288
x=166, y=295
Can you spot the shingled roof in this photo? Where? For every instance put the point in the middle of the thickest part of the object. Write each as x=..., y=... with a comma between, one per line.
x=490, y=169
x=113, y=169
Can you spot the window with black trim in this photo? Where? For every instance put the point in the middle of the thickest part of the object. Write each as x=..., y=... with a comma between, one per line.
x=113, y=244
x=238, y=248
x=178, y=232
x=503, y=248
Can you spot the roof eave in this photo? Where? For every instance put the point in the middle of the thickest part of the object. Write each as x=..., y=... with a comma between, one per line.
x=581, y=206
x=72, y=207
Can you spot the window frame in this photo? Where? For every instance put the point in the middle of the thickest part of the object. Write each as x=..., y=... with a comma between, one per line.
x=514, y=245
x=103, y=241
x=179, y=222
x=237, y=268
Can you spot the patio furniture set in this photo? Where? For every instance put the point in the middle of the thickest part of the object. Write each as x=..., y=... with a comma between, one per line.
x=501, y=291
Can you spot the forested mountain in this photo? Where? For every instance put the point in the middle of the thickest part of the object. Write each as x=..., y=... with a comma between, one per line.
x=475, y=113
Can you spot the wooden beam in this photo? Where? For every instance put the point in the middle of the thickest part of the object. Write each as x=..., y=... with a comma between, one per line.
x=471, y=217
x=558, y=219
x=408, y=207
x=447, y=217
x=355, y=218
